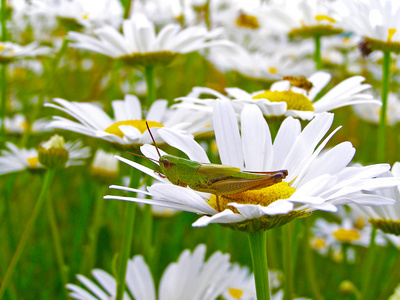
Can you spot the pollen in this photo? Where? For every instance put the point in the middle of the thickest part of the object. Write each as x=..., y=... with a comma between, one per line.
x=247, y=21
x=320, y=18
x=391, y=32
x=138, y=124
x=33, y=161
x=346, y=235
x=295, y=101
x=235, y=293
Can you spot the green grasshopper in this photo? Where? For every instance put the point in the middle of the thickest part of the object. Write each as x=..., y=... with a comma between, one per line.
x=216, y=179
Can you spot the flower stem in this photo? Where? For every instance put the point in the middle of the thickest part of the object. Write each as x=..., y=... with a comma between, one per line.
x=150, y=75
x=127, y=4
x=130, y=212
x=93, y=231
x=368, y=267
x=258, y=248
x=287, y=261
x=57, y=246
x=3, y=99
x=317, y=53
x=384, y=95
x=310, y=261
x=22, y=243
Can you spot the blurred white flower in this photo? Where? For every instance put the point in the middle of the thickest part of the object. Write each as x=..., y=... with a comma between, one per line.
x=140, y=45
x=15, y=159
x=289, y=97
x=11, y=51
x=127, y=127
x=371, y=112
x=191, y=277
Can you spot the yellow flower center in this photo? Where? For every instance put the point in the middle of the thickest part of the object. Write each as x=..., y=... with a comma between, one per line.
x=318, y=243
x=295, y=101
x=247, y=21
x=320, y=18
x=391, y=32
x=235, y=293
x=263, y=197
x=139, y=124
x=2, y=47
x=273, y=70
x=33, y=161
x=360, y=223
x=85, y=16
x=346, y=235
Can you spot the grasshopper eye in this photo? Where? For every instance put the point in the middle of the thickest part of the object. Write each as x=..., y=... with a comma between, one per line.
x=166, y=163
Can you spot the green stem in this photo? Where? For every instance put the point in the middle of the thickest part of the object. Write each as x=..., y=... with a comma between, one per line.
x=147, y=234
x=57, y=246
x=381, y=152
x=310, y=261
x=127, y=8
x=93, y=231
x=3, y=20
x=150, y=75
x=317, y=54
x=49, y=79
x=287, y=261
x=368, y=267
x=258, y=248
x=130, y=211
x=17, y=255
x=3, y=99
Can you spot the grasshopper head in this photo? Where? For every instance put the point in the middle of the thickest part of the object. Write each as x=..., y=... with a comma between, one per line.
x=167, y=163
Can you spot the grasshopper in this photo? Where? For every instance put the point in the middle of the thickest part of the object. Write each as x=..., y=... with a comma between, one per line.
x=216, y=179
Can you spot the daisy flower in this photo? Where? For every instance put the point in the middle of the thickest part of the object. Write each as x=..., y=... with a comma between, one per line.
x=127, y=128
x=285, y=98
x=386, y=218
x=371, y=112
x=88, y=13
x=191, y=277
x=104, y=167
x=140, y=45
x=11, y=51
x=377, y=21
x=15, y=159
x=305, y=19
x=315, y=180
x=18, y=124
x=258, y=65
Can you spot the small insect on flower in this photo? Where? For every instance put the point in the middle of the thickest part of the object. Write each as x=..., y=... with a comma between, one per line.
x=300, y=82
x=216, y=179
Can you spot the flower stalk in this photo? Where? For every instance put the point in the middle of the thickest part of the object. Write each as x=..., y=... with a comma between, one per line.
x=28, y=229
x=317, y=53
x=368, y=268
x=384, y=95
x=57, y=245
x=151, y=85
x=287, y=261
x=127, y=238
x=258, y=248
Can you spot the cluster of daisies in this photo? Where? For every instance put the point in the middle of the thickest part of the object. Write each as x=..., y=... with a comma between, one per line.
x=296, y=49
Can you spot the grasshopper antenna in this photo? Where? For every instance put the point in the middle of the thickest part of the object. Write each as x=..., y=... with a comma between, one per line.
x=138, y=155
x=148, y=128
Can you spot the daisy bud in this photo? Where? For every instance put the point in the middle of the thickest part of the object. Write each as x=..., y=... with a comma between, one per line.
x=53, y=153
x=346, y=287
x=104, y=167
